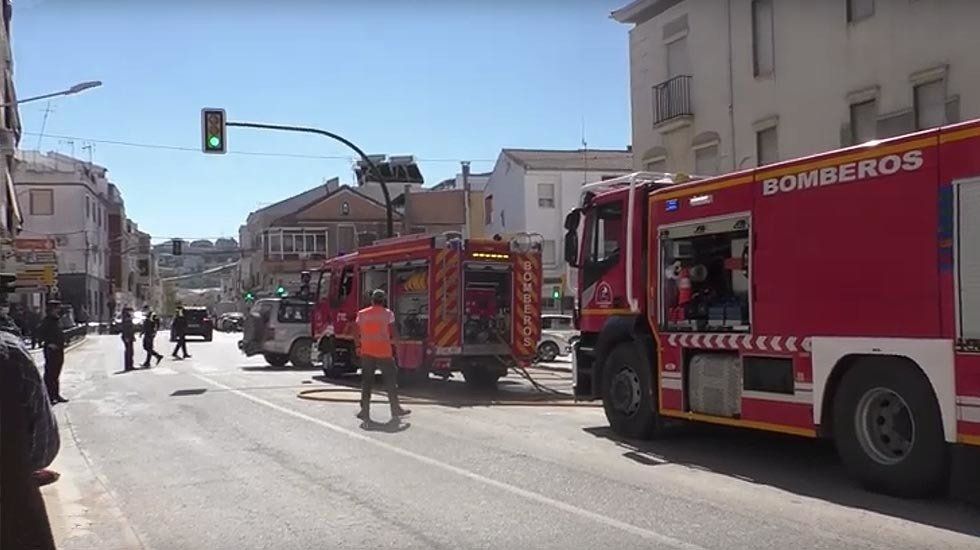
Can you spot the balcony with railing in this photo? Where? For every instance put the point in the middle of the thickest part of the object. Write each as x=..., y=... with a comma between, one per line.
x=672, y=100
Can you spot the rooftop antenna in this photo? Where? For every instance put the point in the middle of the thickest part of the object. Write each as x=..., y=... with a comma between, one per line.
x=44, y=122
x=585, y=153
x=89, y=147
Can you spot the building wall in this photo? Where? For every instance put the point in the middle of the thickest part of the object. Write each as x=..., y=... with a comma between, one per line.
x=505, y=192
x=79, y=224
x=822, y=64
x=10, y=125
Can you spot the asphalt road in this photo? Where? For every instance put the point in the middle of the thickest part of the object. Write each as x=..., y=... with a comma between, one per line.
x=218, y=451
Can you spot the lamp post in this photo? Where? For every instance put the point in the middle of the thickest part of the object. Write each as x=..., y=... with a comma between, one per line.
x=77, y=88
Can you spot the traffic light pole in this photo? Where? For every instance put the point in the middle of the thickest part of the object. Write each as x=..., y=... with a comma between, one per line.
x=377, y=173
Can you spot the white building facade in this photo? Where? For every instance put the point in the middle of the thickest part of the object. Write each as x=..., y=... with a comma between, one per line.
x=720, y=86
x=68, y=200
x=532, y=191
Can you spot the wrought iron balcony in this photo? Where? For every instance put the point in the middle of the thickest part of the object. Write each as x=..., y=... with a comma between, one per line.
x=672, y=99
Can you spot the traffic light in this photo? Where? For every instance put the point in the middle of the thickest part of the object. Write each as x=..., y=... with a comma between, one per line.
x=556, y=292
x=178, y=246
x=7, y=281
x=281, y=291
x=213, y=131
x=249, y=297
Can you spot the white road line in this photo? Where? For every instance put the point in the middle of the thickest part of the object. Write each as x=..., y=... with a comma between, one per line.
x=530, y=495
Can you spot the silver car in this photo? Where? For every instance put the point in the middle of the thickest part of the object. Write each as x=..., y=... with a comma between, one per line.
x=279, y=330
x=557, y=336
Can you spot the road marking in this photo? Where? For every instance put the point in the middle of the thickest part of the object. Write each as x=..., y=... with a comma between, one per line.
x=530, y=495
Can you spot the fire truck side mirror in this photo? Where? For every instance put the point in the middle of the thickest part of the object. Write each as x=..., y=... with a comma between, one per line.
x=572, y=219
x=571, y=248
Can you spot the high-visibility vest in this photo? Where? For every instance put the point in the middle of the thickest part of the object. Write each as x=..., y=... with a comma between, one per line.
x=372, y=325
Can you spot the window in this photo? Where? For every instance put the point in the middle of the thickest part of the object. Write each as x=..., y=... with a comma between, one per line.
x=546, y=195
x=548, y=252
x=766, y=150
x=864, y=123
x=371, y=280
x=503, y=219
x=656, y=165
x=859, y=9
x=556, y=323
x=346, y=239
x=704, y=271
x=930, y=104
x=606, y=232
x=678, y=61
x=706, y=160
x=88, y=207
x=763, y=48
x=345, y=208
x=294, y=312
x=275, y=244
x=488, y=210
x=42, y=202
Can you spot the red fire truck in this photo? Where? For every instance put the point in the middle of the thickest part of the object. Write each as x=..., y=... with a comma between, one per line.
x=467, y=305
x=832, y=296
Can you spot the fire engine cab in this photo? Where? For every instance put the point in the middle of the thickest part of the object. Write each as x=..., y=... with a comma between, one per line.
x=832, y=296
x=469, y=305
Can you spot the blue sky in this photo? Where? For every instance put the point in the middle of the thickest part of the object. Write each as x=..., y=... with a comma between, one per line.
x=437, y=79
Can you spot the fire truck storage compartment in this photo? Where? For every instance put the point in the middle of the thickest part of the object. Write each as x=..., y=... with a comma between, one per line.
x=487, y=302
x=704, y=275
x=967, y=195
x=373, y=277
x=714, y=383
x=410, y=299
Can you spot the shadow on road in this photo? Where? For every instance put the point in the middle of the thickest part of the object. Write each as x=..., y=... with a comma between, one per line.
x=386, y=427
x=805, y=467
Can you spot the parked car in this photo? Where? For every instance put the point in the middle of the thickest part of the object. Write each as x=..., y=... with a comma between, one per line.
x=198, y=323
x=230, y=322
x=279, y=330
x=557, y=336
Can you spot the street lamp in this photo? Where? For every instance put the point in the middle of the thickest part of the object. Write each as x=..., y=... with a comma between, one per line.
x=77, y=88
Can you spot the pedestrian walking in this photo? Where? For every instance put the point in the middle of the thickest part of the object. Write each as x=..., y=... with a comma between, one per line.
x=179, y=329
x=374, y=335
x=52, y=340
x=151, y=324
x=128, y=334
x=29, y=440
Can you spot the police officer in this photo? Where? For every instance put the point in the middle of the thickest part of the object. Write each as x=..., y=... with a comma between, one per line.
x=179, y=328
x=151, y=324
x=374, y=335
x=52, y=340
x=128, y=334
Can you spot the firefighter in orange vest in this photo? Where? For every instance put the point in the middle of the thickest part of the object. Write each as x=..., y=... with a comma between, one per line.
x=375, y=330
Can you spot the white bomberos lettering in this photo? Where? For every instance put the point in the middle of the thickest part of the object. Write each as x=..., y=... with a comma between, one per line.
x=527, y=299
x=844, y=173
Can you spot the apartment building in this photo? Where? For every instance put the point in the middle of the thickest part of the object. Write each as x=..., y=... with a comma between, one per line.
x=531, y=190
x=720, y=86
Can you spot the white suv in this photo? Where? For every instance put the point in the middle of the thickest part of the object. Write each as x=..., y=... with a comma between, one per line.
x=279, y=329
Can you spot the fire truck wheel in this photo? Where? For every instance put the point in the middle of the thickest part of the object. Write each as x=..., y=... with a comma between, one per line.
x=480, y=376
x=412, y=377
x=627, y=396
x=299, y=353
x=888, y=428
x=277, y=360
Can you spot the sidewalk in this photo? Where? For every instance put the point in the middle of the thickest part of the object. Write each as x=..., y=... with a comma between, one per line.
x=82, y=512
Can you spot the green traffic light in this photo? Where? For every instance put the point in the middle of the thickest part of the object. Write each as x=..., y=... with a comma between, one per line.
x=214, y=142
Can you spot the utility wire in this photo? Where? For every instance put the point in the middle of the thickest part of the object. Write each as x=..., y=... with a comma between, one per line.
x=243, y=153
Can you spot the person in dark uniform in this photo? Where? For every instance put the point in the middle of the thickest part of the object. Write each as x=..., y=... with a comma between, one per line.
x=179, y=328
x=29, y=440
x=128, y=334
x=52, y=340
x=150, y=327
